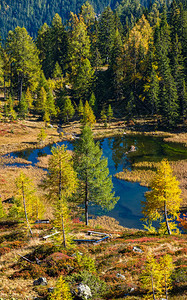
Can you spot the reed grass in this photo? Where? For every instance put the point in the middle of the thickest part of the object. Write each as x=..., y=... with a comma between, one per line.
x=144, y=172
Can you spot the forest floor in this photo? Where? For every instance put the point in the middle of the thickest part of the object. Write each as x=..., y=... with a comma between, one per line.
x=112, y=269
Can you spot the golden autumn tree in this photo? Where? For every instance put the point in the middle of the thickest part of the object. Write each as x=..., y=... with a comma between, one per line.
x=27, y=205
x=156, y=276
x=163, y=201
x=150, y=278
x=88, y=115
x=60, y=183
x=166, y=268
x=61, y=291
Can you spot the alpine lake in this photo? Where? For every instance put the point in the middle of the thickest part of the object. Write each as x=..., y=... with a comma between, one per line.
x=128, y=209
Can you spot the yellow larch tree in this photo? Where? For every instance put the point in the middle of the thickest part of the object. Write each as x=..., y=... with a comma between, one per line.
x=163, y=200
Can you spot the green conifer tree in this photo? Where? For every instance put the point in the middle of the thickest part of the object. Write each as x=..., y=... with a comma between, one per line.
x=68, y=109
x=95, y=183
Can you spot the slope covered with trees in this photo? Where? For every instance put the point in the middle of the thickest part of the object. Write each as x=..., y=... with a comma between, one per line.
x=137, y=67
x=31, y=14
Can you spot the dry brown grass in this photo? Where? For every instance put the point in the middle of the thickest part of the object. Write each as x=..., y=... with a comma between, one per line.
x=177, y=138
x=144, y=173
x=106, y=223
x=10, y=173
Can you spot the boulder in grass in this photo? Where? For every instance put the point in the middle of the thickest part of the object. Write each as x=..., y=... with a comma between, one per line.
x=40, y=281
x=136, y=249
x=84, y=292
x=118, y=275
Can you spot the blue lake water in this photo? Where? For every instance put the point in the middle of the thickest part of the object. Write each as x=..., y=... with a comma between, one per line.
x=128, y=209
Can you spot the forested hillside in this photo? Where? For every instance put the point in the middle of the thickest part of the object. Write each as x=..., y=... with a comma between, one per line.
x=31, y=14
x=120, y=64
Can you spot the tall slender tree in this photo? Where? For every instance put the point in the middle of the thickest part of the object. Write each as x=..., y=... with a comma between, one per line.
x=24, y=60
x=95, y=183
x=60, y=183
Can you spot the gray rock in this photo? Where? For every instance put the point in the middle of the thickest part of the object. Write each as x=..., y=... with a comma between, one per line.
x=136, y=249
x=84, y=292
x=40, y=281
x=51, y=289
x=118, y=275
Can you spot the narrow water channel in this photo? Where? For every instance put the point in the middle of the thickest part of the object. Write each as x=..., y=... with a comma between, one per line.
x=128, y=209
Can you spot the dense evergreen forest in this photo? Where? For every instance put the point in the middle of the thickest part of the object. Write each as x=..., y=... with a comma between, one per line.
x=129, y=62
x=31, y=14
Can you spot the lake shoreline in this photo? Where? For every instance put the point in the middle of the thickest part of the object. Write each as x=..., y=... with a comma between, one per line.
x=23, y=134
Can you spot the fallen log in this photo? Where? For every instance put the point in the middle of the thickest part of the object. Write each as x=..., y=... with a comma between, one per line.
x=95, y=232
x=32, y=262
x=47, y=236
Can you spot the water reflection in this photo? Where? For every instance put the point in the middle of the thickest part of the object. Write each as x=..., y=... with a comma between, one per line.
x=128, y=209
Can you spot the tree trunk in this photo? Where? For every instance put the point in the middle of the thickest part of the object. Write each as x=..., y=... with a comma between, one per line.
x=4, y=88
x=153, y=287
x=20, y=87
x=166, y=218
x=86, y=202
x=166, y=290
x=60, y=199
x=25, y=210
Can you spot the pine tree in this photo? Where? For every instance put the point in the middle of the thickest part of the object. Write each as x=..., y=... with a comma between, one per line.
x=151, y=277
x=106, y=33
x=80, y=108
x=23, y=107
x=109, y=113
x=82, y=81
x=25, y=194
x=61, y=183
x=104, y=116
x=42, y=136
x=95, y=183
x=81, y=69
x=88, y=115
x=28, y=97
x=116, y=66
x=68, y=109
x=88, y=14
x=166, y=268
x=168, y=90
x=61, y=291
x=163, y=201
x=153, y=91
x=92, y=100
x=24, y=60
x=10, y=112
x=57, y=72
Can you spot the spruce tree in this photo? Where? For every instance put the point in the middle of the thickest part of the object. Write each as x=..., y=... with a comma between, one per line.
x=106, y=34
x=68, y=109
x=24, y=60
x=95, y=183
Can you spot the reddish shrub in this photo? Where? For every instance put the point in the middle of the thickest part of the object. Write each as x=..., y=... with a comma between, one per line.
x=4, y=250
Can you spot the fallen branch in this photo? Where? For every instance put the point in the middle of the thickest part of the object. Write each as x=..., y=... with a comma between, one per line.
x=32, y=262
x=95, y=232
x=47, y=236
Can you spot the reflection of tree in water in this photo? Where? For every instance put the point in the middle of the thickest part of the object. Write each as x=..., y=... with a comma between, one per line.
x=41, y=153
x=24, y=154
x=119, y=148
